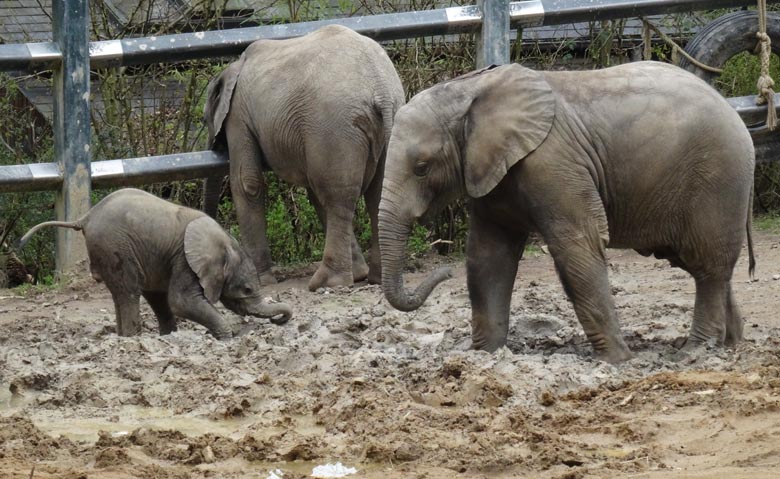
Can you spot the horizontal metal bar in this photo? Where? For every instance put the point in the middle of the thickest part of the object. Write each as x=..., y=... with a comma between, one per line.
x=110, y=173
x=751, y=113
x=391, y=26
x=200, y=164
x=155, y=169
x=33, y=177
x=29, y=56
x=558, y=12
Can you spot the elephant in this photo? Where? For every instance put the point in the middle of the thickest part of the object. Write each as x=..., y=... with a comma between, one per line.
x=317, y=110
x=641, y=156
x=178, y=258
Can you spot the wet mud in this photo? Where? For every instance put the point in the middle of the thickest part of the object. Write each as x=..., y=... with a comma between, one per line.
x=394, y=394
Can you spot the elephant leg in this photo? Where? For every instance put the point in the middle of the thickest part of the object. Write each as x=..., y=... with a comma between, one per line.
x=716, y=317
x=359, y=267
x=158, y=301
x=128, y=320
x=122, y=277
x=372, y=197
x=247, y=187
x=491, y=267
x=337, y=259
x=186, y=300
x=735, y=324
x=581, y=265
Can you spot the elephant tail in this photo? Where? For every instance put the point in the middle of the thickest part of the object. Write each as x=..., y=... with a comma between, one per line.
x=749, y=226
x=74, y=225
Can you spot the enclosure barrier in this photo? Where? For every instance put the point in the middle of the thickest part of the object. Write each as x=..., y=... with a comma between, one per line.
x=71, y=56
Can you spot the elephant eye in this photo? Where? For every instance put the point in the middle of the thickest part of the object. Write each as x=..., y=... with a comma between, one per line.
x=247, y=290
x=421, y=168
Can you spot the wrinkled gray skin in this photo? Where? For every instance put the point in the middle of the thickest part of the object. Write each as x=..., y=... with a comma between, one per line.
x=642, y=156
x=178, y=258
x=318, y=111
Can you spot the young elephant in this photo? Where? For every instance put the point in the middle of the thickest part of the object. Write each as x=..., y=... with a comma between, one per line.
x=643, y=156
x=317, y=110
x=178, y=258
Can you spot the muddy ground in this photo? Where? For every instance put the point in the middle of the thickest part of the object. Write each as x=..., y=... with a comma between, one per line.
x=395, y=395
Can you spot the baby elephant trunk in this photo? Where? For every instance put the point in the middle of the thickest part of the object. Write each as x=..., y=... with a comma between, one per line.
x=278, y=313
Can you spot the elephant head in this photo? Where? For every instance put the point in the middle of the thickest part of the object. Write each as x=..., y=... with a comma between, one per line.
x=458, y=137
x=226, y=273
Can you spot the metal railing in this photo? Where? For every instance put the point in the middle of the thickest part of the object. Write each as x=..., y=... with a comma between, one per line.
x=71, y=56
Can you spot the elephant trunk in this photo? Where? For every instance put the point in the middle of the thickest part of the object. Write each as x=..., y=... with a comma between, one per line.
x=279, y=313
x=393, y=235
x=212, y=187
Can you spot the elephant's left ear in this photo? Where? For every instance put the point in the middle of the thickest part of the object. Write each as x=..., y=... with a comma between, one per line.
x=206, y=246
x=510, y=116
x=218, y=97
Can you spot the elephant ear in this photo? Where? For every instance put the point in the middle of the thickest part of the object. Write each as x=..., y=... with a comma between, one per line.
x=218, y=96
x=207, y=249
x=509, y=117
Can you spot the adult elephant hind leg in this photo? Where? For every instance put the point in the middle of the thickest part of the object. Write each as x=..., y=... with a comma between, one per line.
x=247, y=186
x=158, y=301
x=716, y=317
x=709, y=313
x=581, y=265
x=491, y=266
x=735, y=324
x=359, y=266
x=336, y=266
x=335, y=170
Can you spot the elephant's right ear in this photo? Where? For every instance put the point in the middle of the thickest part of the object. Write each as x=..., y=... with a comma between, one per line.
x=218, y=96
x=206, y=246
x=510, y=116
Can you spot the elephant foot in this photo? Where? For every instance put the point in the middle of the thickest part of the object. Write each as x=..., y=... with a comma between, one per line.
x=222, y=334
x=690, y=349
x=359, y=272
x=327, y=278
x=489, y=345
x=374, y=276
x=266, y=278
x=614, y=355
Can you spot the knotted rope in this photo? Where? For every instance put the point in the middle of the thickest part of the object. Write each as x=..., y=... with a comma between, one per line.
x=765, y=83
x=676, y=49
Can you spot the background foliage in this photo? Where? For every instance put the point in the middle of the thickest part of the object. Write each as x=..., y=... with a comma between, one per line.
x=157, y=109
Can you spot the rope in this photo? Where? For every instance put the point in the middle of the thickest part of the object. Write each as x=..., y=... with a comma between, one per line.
x=647, y=51
x=765, y=83
x=676, y=49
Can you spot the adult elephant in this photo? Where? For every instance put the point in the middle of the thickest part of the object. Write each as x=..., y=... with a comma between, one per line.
x=318, y=111
x=643, y=156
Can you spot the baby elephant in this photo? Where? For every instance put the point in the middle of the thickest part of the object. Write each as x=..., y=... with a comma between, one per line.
x=178, y=258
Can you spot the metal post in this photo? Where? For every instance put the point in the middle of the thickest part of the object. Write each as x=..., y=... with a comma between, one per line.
x=493, y=39
x=71, y=126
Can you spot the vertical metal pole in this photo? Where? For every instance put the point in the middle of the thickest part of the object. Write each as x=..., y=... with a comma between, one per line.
x=493, y=39
x=71, y=126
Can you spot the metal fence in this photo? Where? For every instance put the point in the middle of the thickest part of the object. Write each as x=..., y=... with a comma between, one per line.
x=71, y=55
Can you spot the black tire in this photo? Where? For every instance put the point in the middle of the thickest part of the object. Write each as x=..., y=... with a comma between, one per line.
x=727, y=36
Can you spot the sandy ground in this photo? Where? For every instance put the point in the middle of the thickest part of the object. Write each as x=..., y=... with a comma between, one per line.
x=395, y=395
